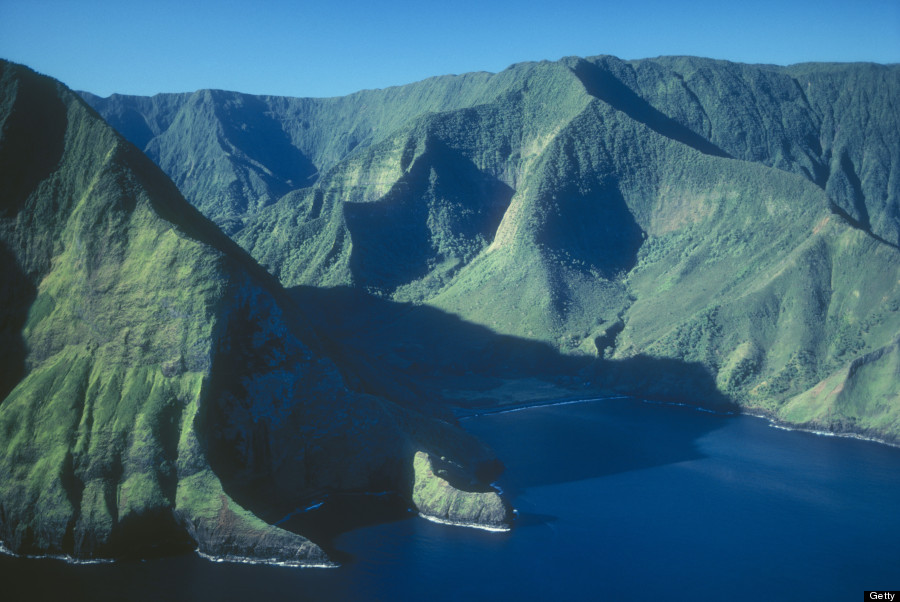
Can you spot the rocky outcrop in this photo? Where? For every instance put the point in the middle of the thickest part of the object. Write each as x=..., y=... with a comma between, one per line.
x=738, y=223
x=441, y=492
x=224, y=531
x=165, y=392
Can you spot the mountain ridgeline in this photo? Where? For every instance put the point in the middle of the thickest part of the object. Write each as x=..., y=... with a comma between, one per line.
x=160, y=390
x=736, y=223
x=223, y=369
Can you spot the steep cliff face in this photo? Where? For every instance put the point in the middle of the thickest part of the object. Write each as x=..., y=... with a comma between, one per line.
x=859, y=398
x=675, y=209
x=444, y=495
x=743, y=219
x=165, y=391
x=830, y=123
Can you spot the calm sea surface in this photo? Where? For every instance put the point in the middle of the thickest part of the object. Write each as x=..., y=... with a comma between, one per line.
x=617, y=500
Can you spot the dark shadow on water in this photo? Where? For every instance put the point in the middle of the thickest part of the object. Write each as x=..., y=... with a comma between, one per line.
x=342, y=513
x=526, y=520
x=419, y=356
x=435, y=363
x=561, y=444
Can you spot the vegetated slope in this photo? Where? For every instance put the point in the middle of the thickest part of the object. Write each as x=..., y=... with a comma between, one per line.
x=232, y=153
x=743, y=217
x=164, y=390
x=832, y=123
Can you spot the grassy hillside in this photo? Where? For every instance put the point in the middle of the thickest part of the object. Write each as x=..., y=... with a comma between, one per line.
x=165, y=392
x=740, y=218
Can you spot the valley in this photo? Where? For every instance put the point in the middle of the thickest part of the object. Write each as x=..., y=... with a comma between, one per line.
x=222, y=311
x=741, y=219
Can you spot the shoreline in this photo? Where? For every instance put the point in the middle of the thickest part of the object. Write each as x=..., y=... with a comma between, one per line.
x=476, y=412
x=293, y=564
x=467, y=413
x=790, y=426
x=68, y=559
x=455, y=523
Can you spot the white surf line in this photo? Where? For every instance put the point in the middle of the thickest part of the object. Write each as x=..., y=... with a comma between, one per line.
x=63, y=557
x=458, y=523
x=689, y=406
x=294, y=564
x=537, y=404
x=218, y=559
x=564, y=402
x=775, y=424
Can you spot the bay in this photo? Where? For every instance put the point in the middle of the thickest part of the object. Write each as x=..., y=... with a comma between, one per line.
x=616, y=499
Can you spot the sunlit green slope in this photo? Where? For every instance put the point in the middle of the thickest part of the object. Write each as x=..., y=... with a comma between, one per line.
x=742, y=217
x=160, y=390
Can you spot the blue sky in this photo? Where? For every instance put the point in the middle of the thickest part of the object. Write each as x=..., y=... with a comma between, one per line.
x=330, y=48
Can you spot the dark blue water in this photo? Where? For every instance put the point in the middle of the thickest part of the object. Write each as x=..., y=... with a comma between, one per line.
x=617, y=500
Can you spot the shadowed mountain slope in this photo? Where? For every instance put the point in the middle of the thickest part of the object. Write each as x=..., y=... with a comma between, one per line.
x=831, y=123
x=744, y=218
x=160, y=389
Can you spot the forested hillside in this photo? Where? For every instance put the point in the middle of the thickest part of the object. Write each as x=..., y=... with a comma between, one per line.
x=740, y=218
x=160, y=390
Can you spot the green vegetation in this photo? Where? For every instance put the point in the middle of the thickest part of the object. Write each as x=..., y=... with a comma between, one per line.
x=672, y=228
x=860, y=398
x=438, y=493
x=153, y=359
x=740, y=218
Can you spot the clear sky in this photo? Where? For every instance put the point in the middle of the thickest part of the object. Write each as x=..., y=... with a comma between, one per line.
x=330, y=47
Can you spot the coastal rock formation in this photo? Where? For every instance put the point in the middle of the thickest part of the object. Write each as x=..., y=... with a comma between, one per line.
x=733, y=226
x=160, y=390
x=442, y=492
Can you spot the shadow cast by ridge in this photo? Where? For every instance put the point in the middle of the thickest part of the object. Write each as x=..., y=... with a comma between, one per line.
x=555, y=444
x=426, y=354
x=17, y=297
x=388, y=345
x=605, y=86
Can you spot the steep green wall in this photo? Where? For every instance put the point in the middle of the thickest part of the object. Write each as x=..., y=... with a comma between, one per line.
x=741, y=218
x=162, y=378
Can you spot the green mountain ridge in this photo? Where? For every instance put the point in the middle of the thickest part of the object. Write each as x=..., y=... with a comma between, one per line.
x=672, y=228
x=161, y=391
x=804, y=118
x=743, y=218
